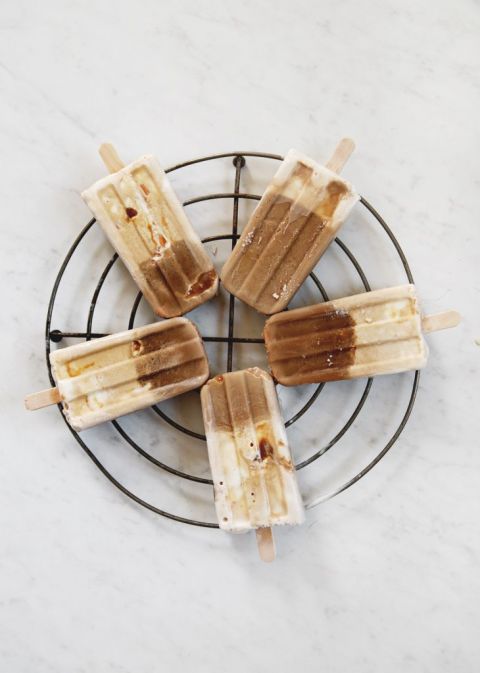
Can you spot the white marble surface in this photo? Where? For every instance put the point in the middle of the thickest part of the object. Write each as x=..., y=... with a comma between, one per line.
x=385, y=576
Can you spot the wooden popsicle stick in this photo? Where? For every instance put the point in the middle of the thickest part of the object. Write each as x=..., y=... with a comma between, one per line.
x=44, y=398
x=444, y=320
x=110, y=158
x=341, y=155
x=266, y=544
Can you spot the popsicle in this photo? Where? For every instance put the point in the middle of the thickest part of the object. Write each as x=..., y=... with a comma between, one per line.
x=255, y=485
x=102, y=379
x=379, y=332
x=146, y=224
x=295, y=221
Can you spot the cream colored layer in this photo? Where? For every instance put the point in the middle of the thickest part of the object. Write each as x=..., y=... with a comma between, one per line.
x=119, y=367
x=255, y=483
x=388, y=331
x=311, y=194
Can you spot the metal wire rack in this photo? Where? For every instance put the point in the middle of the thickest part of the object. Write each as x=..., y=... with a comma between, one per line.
x=56, y=335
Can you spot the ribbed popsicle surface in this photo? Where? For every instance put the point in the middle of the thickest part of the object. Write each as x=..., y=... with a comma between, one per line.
x=146, y=224
x=368, y=334
x=106, y=378
x=254, y=478
x=293, y=224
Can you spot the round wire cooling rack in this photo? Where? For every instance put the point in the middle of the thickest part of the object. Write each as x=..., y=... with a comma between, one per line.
x=56, y=335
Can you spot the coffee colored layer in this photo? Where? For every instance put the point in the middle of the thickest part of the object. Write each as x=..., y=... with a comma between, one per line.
x=282, y=236
x=159, y=371
x=324, y=343
x=175, y=276
x=238, y=400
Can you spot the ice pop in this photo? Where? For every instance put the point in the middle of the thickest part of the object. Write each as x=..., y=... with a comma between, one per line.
x=379, y=332
x=254, y=478
x=102, y=379
x=146, y=224
x=293, y=224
